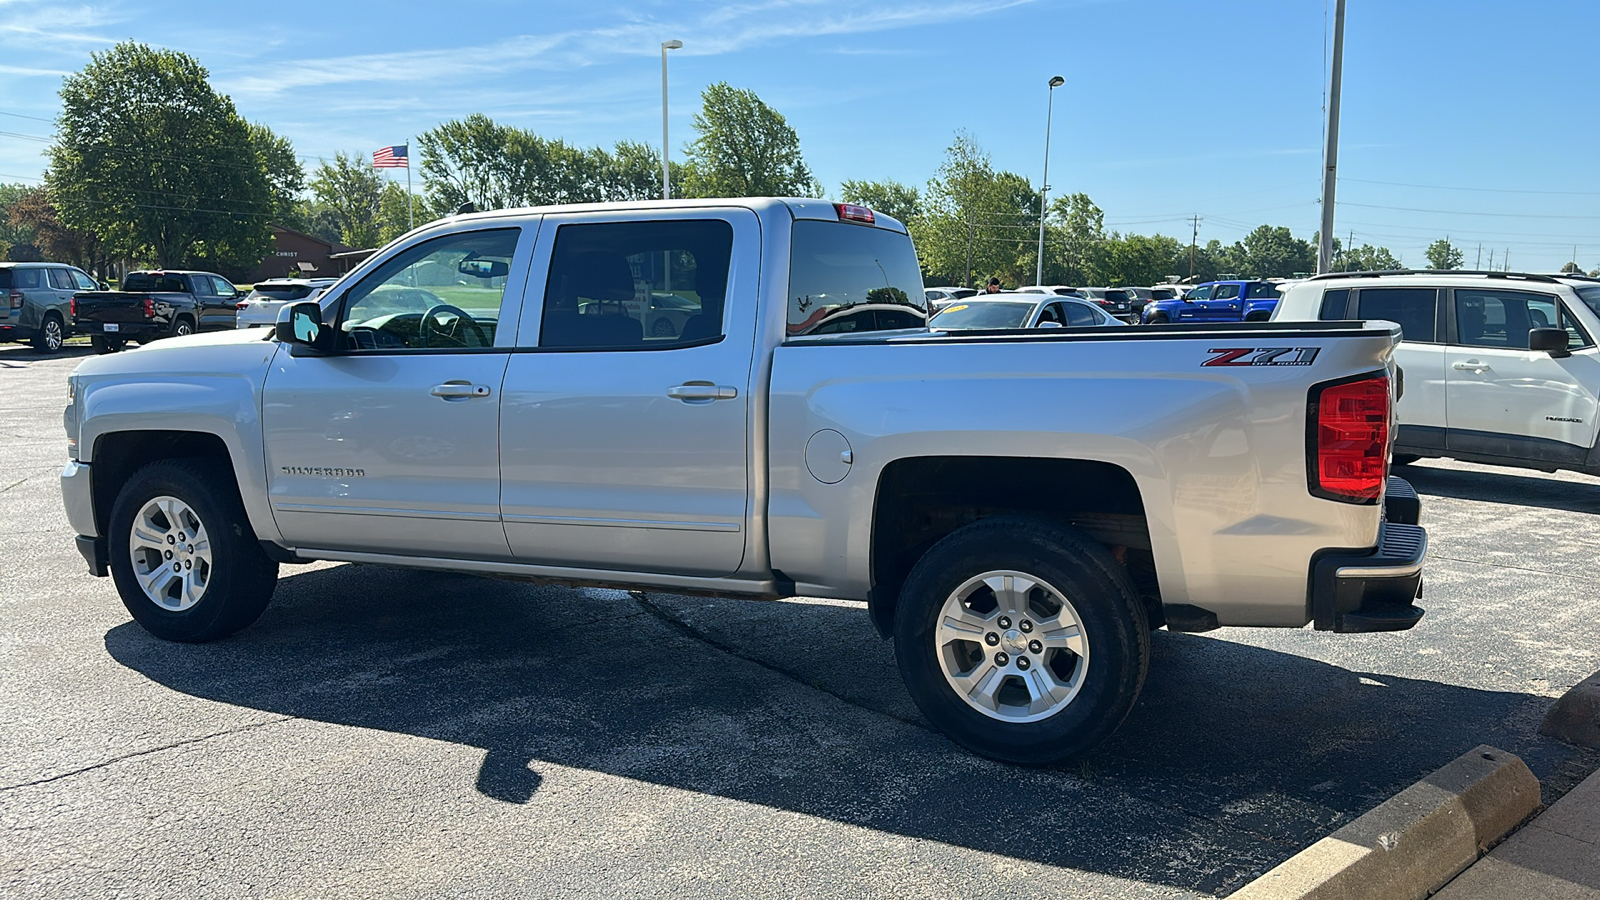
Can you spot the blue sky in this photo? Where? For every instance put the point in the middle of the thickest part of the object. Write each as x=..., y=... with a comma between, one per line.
x=1469, y=119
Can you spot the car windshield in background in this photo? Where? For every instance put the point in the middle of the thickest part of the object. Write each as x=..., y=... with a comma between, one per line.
x=851, y=278
x=983, y=314
x=1262, y=291
x=1591, y=296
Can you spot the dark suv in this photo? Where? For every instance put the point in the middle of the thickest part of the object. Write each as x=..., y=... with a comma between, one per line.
x=37, y=300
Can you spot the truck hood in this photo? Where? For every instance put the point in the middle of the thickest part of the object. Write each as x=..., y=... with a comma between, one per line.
x=241, y=350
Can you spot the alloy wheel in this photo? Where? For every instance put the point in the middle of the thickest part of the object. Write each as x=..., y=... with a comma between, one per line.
x=1012, y=646
x=171, y=553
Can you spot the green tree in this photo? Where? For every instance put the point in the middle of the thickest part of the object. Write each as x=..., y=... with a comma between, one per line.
x=889, y=197
x=349, y=190
x=33, y=214
x=1444, y=255
x=972, y=212
x=1139, y=260
x=1571, y=268
x=1367, y=258
x=12, y=234
x=1075, y=241
x=1274, y=252
x=744, y=148
x=159, y=166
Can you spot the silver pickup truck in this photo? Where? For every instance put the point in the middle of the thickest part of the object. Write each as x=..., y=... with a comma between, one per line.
x=742, y=397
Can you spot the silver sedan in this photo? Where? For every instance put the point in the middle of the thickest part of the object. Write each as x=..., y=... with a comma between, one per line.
x=1016, y=310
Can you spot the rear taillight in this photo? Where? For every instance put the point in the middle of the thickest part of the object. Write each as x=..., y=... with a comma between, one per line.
x=16, y=299
x=1348, y=436
x=149, y=308
x=849, y=212
x=72, y=308
x=241, y=304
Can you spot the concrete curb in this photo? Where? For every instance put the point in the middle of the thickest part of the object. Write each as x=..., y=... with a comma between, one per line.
x=1416, y=841
x=1575, y=718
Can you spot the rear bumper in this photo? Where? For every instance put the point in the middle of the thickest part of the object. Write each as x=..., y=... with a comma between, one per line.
x=1354, y=591
x=133, y=330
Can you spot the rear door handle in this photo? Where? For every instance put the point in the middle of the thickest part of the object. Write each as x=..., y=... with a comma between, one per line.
x=1472, y=366
x=459, y=390
x=702, y=390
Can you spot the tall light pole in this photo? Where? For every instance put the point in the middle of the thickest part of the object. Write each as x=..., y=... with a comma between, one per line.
x=1330, y=153
x=666, y=170
x=1044, y=187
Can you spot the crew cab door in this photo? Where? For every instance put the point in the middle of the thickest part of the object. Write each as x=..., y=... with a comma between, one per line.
x=1506, y=400
x=623, y=446
x=1223, y=304
x=1194, y=302
x=392, y=445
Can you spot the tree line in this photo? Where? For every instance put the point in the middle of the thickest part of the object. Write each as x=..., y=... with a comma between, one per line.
x=150, y=165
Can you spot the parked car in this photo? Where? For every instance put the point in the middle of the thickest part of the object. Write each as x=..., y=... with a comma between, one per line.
x=1015, y=511
x=1019, y=309
x=1061, y=290
x=153, y=305
x=1138, y=297
x=37, y=302
x=260, y=306
x=939, y=297
x=1116, y=301
x=1500, y=367
x=1216, y=301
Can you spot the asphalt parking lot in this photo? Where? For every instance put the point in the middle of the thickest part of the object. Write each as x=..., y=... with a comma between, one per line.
x=382, y=732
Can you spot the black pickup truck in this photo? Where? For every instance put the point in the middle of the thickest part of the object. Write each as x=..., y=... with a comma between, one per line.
x=153, y=305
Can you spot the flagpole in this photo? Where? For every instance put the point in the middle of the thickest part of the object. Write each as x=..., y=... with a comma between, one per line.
x=409, y=223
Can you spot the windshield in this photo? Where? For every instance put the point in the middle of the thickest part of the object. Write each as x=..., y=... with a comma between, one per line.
x=987, y=314
x=1590, y=296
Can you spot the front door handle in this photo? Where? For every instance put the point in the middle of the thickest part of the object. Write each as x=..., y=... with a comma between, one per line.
x=459, y=390
x=702, y=390
x=1471, y=365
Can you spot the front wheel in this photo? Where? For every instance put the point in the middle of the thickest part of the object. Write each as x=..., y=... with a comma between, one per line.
x=183, y=556
x=107, y=344
x=1158, y=319
x=1022, y=640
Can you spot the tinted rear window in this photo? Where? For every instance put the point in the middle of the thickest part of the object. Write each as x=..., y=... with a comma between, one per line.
x=280, y=292
x=1589, y=295
x=1334, y=304
x=1262, y=292
x=5, y=278
x=839, y=273
x=1413, y=308
x=148, y=281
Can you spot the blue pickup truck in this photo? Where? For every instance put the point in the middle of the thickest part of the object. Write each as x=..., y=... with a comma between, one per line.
x=1216, y=301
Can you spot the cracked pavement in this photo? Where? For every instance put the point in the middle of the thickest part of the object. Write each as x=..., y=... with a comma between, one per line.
x=386, y=732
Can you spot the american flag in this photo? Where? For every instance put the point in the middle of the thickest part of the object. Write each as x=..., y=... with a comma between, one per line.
x=390, y=158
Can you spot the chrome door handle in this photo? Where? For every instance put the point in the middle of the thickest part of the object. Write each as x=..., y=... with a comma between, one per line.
x=702, y=390
x=1472, y=366
x=459, y=390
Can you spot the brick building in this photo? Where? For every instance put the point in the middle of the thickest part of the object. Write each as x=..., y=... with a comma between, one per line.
x=299, y=255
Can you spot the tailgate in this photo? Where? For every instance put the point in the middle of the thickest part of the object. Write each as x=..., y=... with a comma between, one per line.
x=109, y=306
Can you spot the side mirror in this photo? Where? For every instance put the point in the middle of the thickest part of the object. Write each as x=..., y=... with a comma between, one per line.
x=301, y=324
x=1549, y=340
x=105, y=286
x=1049, y=325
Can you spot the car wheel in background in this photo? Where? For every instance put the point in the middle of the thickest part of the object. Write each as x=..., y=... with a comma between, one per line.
x=184, y=558
x=107, y=345
x=1158, y=319
x=663, y=328
x=52, y=334
x=1022, y=640
x=182, y=327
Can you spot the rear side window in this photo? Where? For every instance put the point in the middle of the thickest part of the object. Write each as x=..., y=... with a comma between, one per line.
x=1335, y=305
x=1415, y=309
x=22, y=279
x=841, y=272
x=60, y=280
x=1262, y=291
x=626, y=285
x=1079, y=314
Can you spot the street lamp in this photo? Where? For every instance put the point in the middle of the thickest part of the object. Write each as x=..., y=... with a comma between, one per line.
x=666, y=171
x=1055, y=82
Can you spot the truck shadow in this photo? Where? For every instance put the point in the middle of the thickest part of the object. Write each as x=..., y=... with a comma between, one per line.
x=23, y=353
x=1235, y=758
x=1548, y=491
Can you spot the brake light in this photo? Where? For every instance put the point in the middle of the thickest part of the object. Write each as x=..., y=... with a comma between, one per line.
x=1350, y=423
x=72, y=308
x=241, y=304
x=16, y=299
x=149, y=308
x=849, y=212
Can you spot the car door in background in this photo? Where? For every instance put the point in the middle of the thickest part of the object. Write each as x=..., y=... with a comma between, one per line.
x=1506, y=400
x=1194, y=302
x=1422, y=410
x=1223, y=304
x=622, y=449
x=392, y=445
x=223, y=309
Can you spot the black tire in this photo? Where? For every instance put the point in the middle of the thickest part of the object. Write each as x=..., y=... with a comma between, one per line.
x=106, y=344
x=51, y=335
x=1158, y=319
x=241, y=578
x=1404, y=459
x=183, y=326
x=1113, y=619
x=663, y=328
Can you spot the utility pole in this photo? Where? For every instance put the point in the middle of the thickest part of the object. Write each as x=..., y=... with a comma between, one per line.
x=1044, y=183
x=1506, y=259
x=1330, y=153
x=1479, y=264
x=1491, y=259
x=1194, y=241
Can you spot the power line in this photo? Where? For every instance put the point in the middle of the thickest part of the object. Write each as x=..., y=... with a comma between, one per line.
x=21, y=116
x=1445, y=187
x=1460, y=212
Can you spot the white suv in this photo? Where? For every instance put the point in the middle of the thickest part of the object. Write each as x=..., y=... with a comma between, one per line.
x=1499, y=367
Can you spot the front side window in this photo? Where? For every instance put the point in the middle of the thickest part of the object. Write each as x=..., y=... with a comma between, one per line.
x=1502, y=319
x=203, y=286
x=637, y=285
x=1414, y=309
x=83, y=281
x=223, y=286
x=441, y=294
x=847, y=278
x=1203, y=292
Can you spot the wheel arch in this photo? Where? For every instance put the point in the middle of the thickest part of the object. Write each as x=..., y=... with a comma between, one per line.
x=920, y=500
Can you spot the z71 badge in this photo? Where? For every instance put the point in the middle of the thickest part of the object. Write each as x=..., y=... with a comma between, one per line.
x=1262, y=356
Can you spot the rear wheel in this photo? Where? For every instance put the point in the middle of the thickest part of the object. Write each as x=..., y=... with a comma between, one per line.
x=185, y=561
x=182, y=327
x=1022, y=640
x=52, y=334
x=107, y=344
